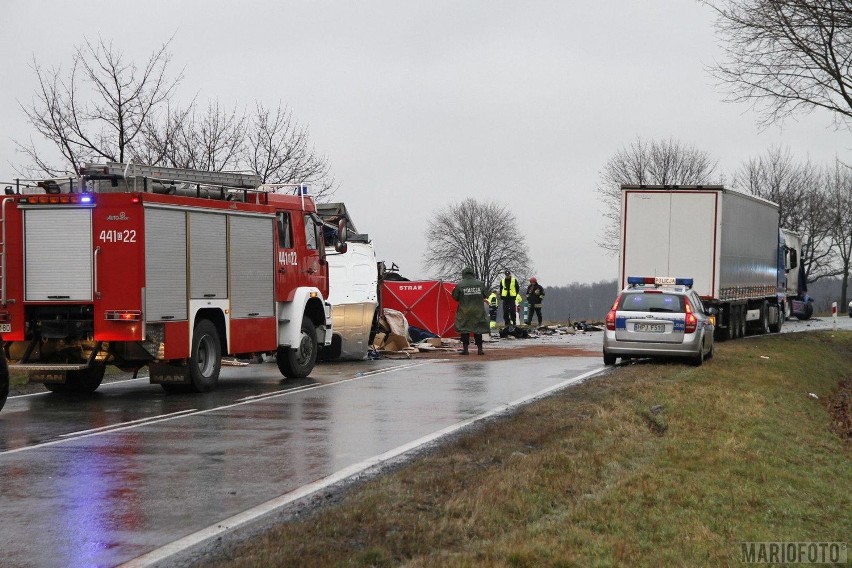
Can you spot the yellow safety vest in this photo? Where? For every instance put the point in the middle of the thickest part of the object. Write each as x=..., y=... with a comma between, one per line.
x=513, y=287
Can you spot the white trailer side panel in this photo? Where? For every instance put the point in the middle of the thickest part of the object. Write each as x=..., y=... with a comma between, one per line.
x=749, y=260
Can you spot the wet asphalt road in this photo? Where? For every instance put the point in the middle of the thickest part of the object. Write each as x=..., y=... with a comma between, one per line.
x=98, y=481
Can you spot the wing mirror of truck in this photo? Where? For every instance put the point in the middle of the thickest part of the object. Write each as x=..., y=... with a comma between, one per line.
x=340, y=245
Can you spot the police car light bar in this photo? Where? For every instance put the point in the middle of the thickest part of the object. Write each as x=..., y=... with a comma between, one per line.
x=659, y=280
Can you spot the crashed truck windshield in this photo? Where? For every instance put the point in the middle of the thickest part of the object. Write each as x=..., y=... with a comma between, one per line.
x=650, y=302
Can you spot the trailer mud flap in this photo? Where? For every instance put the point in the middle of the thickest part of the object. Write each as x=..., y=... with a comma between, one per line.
x=168, y=373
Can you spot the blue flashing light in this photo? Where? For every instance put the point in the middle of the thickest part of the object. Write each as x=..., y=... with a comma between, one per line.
x=659, y=280
x=85, y=198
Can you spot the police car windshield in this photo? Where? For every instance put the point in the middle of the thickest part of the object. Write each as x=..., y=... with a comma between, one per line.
x=651, y=302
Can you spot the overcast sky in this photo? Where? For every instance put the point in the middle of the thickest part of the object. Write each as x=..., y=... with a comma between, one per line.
x=420, y=104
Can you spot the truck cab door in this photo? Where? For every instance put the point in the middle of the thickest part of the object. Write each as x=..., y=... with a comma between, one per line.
x=313, y=263
x=288, y=264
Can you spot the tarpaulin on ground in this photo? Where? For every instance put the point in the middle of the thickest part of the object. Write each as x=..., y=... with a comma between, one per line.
x=427, y=304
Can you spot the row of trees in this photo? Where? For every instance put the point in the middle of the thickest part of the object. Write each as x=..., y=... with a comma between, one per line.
x=107, y=108
x=783, y=57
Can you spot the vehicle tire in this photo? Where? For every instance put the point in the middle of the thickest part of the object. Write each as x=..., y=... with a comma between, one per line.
x=698, y=359
x=733, y=326
x=609, y=359
x=741, y=315
x=205, y=361
x=776, y=327
x=764, y=318
x=710, y=353
x=298, y=363
x=86, y=381
x=809, y=311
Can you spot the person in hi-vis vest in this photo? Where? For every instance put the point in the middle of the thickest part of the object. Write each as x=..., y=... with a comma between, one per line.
x=508, y=294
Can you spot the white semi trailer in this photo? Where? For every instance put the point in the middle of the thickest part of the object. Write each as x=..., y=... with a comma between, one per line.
x=726, y=241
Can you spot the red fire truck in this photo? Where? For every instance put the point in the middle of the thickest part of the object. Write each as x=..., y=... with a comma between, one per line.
x=132, y=265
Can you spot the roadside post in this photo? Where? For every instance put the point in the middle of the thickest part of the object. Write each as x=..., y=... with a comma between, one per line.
x=834, y=315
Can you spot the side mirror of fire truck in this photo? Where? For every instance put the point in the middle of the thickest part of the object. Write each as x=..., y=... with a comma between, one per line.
x=340, y=245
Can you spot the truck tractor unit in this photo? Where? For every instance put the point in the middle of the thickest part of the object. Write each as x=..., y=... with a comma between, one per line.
x=168, y=268
x=730, y=244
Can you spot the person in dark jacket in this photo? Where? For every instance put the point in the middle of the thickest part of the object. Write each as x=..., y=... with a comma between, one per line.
x=535, y=295
x=470, y=293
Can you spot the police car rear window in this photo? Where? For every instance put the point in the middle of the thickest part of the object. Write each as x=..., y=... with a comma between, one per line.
x=650, y=302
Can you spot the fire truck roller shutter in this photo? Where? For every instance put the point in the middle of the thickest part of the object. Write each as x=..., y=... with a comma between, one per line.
x=252, y=259
x=58, y=265
x=208, y=261
x=165, y=265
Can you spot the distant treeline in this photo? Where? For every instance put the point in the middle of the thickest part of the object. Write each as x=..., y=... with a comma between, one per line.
x=591, y=302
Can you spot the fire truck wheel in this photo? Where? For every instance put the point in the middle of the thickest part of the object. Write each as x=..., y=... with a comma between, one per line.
x=85, y=381
x=298, y=363
x=206, y=359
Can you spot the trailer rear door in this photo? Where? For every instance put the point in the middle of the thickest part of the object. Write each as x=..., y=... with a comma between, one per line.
x=671, y=233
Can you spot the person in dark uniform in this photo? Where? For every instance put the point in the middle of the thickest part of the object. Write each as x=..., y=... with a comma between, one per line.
x=470, y=293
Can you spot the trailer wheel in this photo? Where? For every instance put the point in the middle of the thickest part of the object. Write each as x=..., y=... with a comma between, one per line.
x=779, y=319
x=298, y=363
x=764, y=318
x=732, y=323
x=206, y=359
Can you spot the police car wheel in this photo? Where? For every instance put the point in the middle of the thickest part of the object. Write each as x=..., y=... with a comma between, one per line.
x=609, y=359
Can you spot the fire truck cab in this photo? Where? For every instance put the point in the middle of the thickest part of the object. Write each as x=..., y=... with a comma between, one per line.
x=168, y=268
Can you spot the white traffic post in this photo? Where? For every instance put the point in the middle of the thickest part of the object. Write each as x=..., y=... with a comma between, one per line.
x=834, y=315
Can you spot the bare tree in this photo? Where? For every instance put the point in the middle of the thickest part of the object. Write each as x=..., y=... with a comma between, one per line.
x=107, y=108
x=663, y=162
x=98, y=110
x=799, y=189
x=786, y=56
x=277, y=148
x=482, y=235
x=841, y=208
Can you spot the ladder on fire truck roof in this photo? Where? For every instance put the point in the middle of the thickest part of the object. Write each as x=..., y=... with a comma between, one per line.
x=223, y=179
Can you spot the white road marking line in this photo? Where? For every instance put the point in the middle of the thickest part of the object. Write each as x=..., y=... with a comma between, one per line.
x=231, y=523
x=120, y=424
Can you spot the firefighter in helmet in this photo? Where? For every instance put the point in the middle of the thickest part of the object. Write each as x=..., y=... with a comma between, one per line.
x=535, y=295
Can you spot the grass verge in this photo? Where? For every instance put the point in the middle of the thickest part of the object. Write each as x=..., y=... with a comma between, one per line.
x=654, y=465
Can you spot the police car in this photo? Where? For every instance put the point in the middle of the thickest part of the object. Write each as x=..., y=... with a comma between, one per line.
x=659, y=317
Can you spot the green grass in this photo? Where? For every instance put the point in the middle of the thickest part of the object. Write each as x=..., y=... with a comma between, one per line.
x=653, y=465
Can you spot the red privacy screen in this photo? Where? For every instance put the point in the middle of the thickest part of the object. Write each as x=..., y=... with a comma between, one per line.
x=427, y=304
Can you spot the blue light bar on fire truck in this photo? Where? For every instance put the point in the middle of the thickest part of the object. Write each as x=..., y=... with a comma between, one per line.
x=660, y=281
